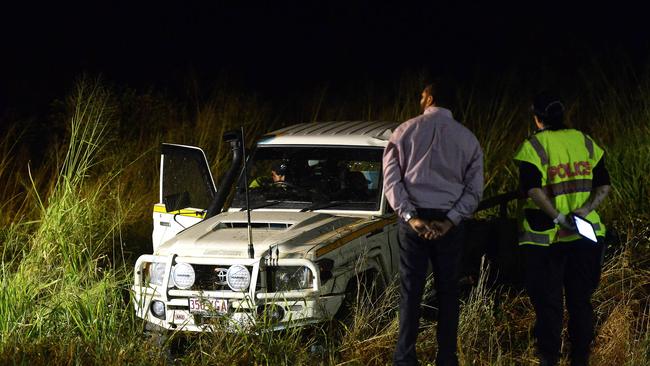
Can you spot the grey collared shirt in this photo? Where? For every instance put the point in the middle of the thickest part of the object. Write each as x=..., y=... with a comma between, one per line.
x=432, y=161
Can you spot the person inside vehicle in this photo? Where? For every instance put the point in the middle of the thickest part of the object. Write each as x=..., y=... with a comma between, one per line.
x=278, y=176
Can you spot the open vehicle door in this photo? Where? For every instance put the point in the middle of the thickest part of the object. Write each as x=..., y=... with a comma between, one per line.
x=186, y=191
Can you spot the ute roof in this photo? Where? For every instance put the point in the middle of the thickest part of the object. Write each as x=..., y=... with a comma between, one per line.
x=358, y=133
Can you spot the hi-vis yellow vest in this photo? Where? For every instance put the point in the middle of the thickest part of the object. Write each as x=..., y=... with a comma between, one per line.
x=566, y=159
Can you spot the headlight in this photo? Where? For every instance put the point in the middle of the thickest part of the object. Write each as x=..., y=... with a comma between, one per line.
x=238, y=277
x=183, y=276
x=158, y=309
x=156, y=273
x=291, y=278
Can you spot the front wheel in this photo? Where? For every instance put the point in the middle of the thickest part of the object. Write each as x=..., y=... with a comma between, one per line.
x=156, y=334
x=363, y=290
x=161, y=343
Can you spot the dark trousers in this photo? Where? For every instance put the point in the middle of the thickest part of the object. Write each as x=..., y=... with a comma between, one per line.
x=562, y=271
x=415, y=254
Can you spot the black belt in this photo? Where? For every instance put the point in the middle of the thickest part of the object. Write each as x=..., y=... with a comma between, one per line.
x=431, y=213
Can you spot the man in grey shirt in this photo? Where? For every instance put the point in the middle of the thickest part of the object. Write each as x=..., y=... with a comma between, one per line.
x=433, y=176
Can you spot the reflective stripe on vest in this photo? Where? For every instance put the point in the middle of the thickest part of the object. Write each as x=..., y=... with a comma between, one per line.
x=529, y=237
x=572, y=186
x=590, y=146
x=539, y=149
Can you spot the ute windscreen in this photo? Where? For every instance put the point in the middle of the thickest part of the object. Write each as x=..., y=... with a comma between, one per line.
x=313, y=177
x=186, y=180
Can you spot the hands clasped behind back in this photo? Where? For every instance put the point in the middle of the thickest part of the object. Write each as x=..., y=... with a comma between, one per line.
x=430, y=229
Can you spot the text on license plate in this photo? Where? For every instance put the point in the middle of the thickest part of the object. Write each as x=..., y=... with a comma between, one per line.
x=219, y=306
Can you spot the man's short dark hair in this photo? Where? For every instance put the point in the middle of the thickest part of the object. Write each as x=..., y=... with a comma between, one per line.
x=432, y=90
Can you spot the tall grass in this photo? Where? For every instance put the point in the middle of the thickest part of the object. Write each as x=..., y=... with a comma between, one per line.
x=73, y=227
x=9, y=189
x=621, y=120
x=624, y=302
x=64, y=299
x=500, y=120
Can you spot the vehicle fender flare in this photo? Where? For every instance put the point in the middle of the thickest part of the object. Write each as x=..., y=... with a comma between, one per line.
x=373, y=263
x=377, y=262
x=372, y=266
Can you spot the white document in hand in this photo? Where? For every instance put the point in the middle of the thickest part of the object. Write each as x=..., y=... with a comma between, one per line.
x=585, y=228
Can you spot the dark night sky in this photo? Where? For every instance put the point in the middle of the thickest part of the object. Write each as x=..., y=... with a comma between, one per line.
x=277, y=48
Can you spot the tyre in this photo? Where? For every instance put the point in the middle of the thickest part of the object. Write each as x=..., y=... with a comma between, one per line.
x=361, y=290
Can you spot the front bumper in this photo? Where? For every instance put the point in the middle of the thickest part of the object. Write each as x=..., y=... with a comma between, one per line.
x=246, y=309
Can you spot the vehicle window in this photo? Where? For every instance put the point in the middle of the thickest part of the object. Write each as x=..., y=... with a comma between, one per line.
x=349, y=177
x=186, y=179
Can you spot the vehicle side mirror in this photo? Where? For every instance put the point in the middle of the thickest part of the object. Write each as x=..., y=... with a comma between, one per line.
x=175, y=202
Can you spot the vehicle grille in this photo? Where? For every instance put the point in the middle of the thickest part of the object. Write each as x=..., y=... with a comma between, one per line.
x=211, y=277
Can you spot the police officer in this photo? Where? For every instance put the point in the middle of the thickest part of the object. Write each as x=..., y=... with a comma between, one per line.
x=277, y=179
x=562, y=172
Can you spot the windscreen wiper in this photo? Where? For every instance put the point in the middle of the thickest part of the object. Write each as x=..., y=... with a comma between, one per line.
x=264, y=204
x=322, y=205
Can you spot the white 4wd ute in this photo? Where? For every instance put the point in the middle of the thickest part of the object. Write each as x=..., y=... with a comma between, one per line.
x=313, y=219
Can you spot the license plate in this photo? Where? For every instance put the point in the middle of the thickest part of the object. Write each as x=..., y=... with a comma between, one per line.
x=208, y=306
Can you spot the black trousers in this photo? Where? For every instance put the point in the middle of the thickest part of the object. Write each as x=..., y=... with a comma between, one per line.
x=415, y=255
x=564, y=271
